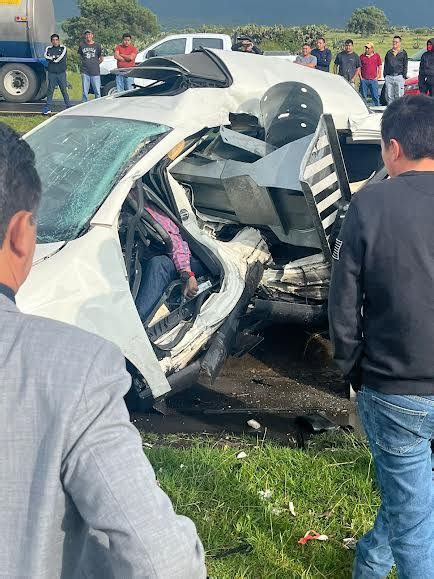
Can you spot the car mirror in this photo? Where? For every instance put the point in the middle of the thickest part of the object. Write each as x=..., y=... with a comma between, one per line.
x=151, y=53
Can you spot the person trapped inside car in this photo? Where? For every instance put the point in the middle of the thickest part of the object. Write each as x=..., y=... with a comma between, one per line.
x=323, y=55
x=426, y=70
x=78, y=497
x=161, y=270
x=90, y=53
x=56, y=56
x=125, y=55
x=246, y=44
x=395, y=70
x=370, y=73
x=306, y=58
x=382, y=329
x=347, y=63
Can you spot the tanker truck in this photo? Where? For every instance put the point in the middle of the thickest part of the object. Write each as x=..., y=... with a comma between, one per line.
x=25, y=30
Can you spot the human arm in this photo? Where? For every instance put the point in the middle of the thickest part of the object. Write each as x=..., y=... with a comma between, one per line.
x=99, y=54
x=117, y=55
x=61, y=55
x=379, y=63
x=48, y=56
x=336, y=65
x=113, y=485
x=313, y=62
x=358, y=73
x=405, y=65
x=422, y=76
x=327, y=57
x=346, y=297
x=131, y=57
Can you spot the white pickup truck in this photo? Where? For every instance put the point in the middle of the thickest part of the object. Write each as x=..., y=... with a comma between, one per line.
x=170, y=45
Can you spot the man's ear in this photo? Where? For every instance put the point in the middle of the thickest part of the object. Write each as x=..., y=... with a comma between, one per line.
x=395, y=149
x=21, y=235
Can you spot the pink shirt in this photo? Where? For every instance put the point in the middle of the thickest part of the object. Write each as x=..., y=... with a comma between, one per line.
x=180, y=251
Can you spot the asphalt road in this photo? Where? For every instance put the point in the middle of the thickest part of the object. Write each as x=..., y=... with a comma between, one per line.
x=29, y=108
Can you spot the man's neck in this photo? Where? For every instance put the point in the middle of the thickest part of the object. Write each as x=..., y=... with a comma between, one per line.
x=422, y=165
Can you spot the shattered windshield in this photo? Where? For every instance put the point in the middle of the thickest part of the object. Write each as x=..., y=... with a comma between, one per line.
x=79, y=160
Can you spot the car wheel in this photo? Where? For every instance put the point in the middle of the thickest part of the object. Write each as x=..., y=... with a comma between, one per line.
x=18, y=83
x=109, y=89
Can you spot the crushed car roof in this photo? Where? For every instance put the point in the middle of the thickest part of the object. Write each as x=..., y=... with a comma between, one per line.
x=252, y=76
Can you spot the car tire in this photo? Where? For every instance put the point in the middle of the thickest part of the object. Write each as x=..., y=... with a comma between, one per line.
x=18, y=83
x=109, y=88
x=43, y=89
x=383, y=101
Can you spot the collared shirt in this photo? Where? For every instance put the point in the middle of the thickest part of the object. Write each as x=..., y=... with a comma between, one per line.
x=180, y=251
x=323, y=57
x=7, y=292
x=370, y=65
x=395, y=64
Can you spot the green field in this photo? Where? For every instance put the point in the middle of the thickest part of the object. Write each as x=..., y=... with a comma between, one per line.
x=331, y=487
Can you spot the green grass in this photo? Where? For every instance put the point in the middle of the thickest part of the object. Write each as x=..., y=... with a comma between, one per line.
x=22, y=123
x=331, y=486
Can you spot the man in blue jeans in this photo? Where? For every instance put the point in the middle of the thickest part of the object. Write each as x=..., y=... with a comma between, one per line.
x=381, y=312
x=90, y=53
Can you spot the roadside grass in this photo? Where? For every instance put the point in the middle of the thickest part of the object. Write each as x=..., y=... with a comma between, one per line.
x=22, y=123
x=331, y=486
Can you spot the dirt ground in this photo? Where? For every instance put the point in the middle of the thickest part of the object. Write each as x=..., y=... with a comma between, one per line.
x=290, y=374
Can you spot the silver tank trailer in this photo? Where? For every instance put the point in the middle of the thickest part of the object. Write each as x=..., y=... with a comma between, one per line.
x=25, y=30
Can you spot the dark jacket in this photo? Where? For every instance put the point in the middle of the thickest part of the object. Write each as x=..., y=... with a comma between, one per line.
x=426, y=71
x=381, y=305
x=56, y=57
x=395, y=65
x=323, y=59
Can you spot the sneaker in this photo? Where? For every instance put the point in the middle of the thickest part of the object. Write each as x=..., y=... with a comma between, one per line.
x=46, y=112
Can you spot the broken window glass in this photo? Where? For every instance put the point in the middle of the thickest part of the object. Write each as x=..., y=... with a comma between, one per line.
x=79, y=160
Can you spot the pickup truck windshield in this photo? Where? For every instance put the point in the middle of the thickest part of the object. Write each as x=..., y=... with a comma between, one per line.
x=79, y=160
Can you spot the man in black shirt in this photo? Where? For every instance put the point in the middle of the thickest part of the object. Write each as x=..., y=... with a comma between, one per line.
x=347, y=63
x=90, y=53
x=395, y=70
x=381, y=312
x=56, y=55
x=426, y=70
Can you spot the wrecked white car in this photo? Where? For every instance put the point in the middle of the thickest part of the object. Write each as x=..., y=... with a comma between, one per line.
x=254, y=159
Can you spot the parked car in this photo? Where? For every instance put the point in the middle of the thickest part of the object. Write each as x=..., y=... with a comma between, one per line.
x=170, y=45
x=412, y=86
x=255, y=164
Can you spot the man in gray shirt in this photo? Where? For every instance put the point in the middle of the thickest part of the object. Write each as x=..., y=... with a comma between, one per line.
x=306, y=58
x=347, y=63
x=78, y=497
x=90, y=53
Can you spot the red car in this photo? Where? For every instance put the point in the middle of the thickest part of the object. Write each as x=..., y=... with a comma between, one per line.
x=411, y=86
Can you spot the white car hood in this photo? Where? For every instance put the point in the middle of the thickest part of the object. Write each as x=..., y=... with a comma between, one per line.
x=46, y=250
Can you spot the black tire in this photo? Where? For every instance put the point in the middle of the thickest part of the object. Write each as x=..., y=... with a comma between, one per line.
x=383, y=101
x=109, y=88
x=25, y=79
x=43, y=89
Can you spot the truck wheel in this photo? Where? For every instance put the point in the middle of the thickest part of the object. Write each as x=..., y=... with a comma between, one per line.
x=42, y=92
x=109, y=88
x=18, y=83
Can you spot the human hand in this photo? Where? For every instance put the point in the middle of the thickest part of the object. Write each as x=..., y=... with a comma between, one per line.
x=191, y=287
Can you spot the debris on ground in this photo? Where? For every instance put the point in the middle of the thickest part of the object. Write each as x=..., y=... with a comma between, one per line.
x=292, y=509
x=265, y=495
x=241, y=455
x=349, y=543
x=254, y=424
x=312, y=536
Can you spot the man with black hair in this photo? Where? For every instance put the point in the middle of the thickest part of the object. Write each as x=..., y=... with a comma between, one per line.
x=382, y=327
x=347, y=63
x=323, y=55
x=125, y=55
x=245, y=44
x=395, y=70
x=56, y=55
x=426, y=70
x=78, y=497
